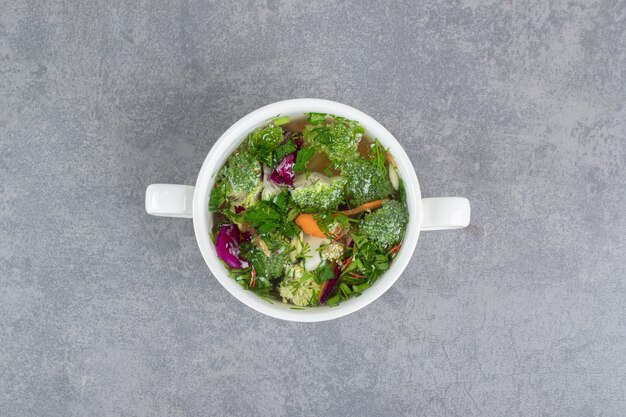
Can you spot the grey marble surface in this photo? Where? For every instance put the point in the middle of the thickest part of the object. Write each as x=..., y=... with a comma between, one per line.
x=106, y=311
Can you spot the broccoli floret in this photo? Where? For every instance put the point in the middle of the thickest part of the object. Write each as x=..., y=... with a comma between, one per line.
x=318, y=192
x=267, y=267
x=299, y=287
x=338, y=139
x=239, y=181
x=265, y=143
x=365, y=181
x=386, y=225
x=266, y=138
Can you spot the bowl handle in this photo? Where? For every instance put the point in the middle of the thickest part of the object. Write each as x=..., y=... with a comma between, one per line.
x=170, y=200
x=445, y=213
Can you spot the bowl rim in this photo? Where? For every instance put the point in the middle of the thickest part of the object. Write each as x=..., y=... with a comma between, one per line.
x=233, y=137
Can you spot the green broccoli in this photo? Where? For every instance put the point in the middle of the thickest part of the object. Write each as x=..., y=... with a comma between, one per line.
x=318, y=192
x=268, y=137
x=386, y=225
x=365, y=181
x=299, y=287
x=239, y=181
x=338, y=139
x=267, y=267
x=265, y=144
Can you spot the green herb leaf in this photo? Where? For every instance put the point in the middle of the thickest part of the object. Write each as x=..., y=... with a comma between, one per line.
x=316, y=118
x=325, y=273
x=361, y=287
x=334, y=300
x=281, y=120
x=378, y=156
x=217, y=198
x=264, y=217
x=284, y=150
x=303, y=157
x=280, y=200
x=358, y=239
x=345, y=289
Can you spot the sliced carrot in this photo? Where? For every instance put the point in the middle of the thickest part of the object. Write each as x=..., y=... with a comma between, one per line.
x=367, y=206
x=308, y=225
x=395, y=248
x=338, y=233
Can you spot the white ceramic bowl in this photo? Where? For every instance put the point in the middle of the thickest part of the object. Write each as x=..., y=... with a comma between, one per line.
x=186, y=201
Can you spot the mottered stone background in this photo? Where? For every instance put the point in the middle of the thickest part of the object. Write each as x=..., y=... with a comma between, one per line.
x=106, y=311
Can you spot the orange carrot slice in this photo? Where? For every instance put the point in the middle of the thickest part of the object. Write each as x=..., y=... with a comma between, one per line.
x=367, y=206
x=338, y=234
x=395, y=248
x=308, y=225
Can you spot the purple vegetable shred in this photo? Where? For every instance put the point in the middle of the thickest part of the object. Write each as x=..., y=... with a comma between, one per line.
x=283, y=173
x=330, y=285
x=227, y=246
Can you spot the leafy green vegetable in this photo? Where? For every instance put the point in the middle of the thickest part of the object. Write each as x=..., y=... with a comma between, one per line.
x=378, y=156
x=264, y=217
x=281, y=120
x=316, y=118
x=369, y=261
x=233, y=216
x=361, y=287
x=217, y=197
x=269, y=215
x=334, y=300
x=324, y=273
x=284, y=150
x=345, y=289
x=302, y=158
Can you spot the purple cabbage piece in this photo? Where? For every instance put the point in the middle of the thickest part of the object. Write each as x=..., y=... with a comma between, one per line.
x=330, y=285
x=239, y=209
x=283, y=173
x=227, y=246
